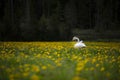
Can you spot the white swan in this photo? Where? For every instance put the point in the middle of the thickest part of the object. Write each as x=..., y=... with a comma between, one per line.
x=79, y=43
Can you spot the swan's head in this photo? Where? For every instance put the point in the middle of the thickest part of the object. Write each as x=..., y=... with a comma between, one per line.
x=75, y=38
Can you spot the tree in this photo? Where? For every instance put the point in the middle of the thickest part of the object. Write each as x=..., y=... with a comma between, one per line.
x=70, y=14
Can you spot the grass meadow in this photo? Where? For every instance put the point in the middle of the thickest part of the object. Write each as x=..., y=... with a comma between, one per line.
x=59, y=61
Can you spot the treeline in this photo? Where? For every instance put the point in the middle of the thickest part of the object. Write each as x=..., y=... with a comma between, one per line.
x=39, y=20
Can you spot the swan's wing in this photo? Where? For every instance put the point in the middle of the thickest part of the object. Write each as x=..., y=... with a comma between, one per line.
x=79, y=45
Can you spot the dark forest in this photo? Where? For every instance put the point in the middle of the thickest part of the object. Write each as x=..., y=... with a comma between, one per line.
x=59, y=20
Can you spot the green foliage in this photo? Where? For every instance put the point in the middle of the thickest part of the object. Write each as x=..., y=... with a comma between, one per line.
x=59, y=61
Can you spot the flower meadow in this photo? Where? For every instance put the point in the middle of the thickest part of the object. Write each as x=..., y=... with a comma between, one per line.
x=59, y=61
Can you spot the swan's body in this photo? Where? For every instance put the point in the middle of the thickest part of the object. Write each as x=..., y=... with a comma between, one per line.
x=79, y=43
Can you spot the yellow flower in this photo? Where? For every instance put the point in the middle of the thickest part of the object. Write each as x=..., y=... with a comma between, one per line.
x=35, y=68
x=102, y=69
x=58, y=55
x=44, y=67
x=59, y=64
x=32, y=49
x=79, y=68
x=108, y=74
x=76, y=78
x=94, y=60
x=92, y=68
x=34, y=77
x=74, y=57
x=49, y=57
x=80, y=65
x=97, y=65
x=25, y=74
x=2, y=51
x=11, y=77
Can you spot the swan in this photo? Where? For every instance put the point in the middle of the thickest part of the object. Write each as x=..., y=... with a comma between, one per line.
x=79, y=43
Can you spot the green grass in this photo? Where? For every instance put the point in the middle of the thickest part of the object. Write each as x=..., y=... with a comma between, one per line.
x=59, y=61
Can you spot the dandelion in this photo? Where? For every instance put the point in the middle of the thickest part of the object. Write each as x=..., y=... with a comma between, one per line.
x=11, y=77
x=32, y=49
x=94, y=60
x=92, y=68
x=97, y=65
x=2, y=51
x=74, y=57
x=79, y=69
x=27, y=69
x=59, y=64
x=38, y=55
x=76, y=78
x=44, y=67
x=102, y=69
x=25, y=74
x=49, y=57
x=35, y=68
x=58, y=55
x=34, y=77
x=113, y=60
x=108, y=74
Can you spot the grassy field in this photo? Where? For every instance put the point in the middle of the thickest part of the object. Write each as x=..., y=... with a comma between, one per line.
x=59, y=61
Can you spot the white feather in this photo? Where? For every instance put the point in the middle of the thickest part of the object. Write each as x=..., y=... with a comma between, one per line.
x=79, y=43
